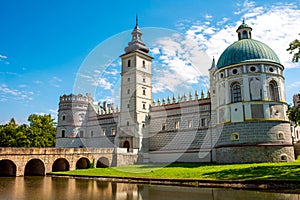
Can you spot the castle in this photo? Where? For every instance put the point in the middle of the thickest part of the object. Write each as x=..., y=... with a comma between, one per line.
x=242, y=119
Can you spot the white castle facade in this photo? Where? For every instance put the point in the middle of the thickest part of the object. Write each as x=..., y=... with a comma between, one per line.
x=241, y=119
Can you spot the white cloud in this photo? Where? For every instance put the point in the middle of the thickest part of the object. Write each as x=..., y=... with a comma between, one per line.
x=14, y=94
x=274, y=25
x=3, y=57
x=295, y=84
x=182, y=64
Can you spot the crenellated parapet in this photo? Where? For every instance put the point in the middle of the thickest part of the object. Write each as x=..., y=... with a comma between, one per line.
x=181, y=98
x=73, y=97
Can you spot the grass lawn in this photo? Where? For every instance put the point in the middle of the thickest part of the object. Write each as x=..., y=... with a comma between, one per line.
x=257, y=171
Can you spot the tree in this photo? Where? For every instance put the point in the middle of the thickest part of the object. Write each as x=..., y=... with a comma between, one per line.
x=40, y=132
x=294, y=114
x=294, y=48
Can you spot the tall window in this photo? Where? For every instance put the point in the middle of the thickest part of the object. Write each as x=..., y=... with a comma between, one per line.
x=128, y=63
x=64, y=117
x=236, y=94
x=163, y=126
x=177, y=125
x=273, y=90
x=81, y=133
x=144, y=64
x=63, y=133
x=113, y=131
x=190, y=123
x=144, y=92
x=203, y=122
x=104, y=131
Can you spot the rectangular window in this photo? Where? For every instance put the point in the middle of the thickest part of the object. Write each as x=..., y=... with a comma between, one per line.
x=81, y=134
x=128, y=79
x=144, y=80
x=190, y=123
x=144, y=106
x=63, y=133
x=203, y=122
x=177, y=125
x=128, y=91
x=163, y=126
x=128, y=105
x=92, y=133
x=113, y=131
x=104, y=131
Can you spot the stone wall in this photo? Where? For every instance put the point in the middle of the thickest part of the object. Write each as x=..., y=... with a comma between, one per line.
x=45, y=158
x=258, y=141
x=253, y=154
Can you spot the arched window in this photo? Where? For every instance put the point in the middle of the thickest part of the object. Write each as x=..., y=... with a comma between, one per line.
x=236, y=94
x=144, y=64
x=245, y=35
x=128, y=63
x=273, y=91
x=64, y=117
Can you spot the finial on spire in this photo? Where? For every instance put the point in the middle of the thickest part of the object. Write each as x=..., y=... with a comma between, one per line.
x=136, y=20
x=244, y=20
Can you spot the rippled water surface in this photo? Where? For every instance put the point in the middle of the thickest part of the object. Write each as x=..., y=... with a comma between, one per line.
x=31, y=188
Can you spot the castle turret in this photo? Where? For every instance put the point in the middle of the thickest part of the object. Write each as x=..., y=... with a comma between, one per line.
x=72, y=119
x=249, y=100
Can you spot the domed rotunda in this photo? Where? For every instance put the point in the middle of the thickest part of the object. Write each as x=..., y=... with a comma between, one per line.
x=248, y=100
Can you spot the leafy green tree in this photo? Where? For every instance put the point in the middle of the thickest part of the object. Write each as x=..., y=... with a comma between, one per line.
x=294, y=114
x=40, y=132
x=294, y=48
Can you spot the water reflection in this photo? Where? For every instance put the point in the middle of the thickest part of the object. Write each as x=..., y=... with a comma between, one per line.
x=48, y=188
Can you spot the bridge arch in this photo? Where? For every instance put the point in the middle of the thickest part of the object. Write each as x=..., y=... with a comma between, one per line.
x=34, y=167
x=83, y=163
x=102, y=162
x=7, y=168
x=60, y=164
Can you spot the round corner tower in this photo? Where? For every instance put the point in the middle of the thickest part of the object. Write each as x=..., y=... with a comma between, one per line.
x=72, y=118
x=249, y=104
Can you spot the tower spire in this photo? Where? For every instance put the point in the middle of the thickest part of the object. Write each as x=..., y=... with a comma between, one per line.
x=136, y=20
x=136, y=40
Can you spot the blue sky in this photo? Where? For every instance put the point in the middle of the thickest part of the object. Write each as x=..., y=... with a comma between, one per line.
x=46, y=46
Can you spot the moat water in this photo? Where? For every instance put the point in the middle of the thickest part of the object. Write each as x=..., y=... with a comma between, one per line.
x=46, y=188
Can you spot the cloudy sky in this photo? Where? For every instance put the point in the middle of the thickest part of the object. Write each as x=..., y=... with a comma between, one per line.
x=51, y=48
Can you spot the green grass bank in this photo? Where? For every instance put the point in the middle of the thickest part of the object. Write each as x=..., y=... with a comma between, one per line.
x=243, y=172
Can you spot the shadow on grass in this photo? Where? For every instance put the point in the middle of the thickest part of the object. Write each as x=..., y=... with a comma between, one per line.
x=257, y=172
x=184, y=165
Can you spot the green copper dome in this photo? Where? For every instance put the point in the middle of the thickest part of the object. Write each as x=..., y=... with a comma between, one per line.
x=246, y=50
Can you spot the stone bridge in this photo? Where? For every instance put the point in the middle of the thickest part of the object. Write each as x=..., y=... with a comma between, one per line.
x=40, y=161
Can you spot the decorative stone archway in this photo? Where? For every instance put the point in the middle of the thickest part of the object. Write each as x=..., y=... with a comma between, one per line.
x=7, y=168
x=34, y=167
x=83, y=163
x=102, y=162
x=60, y=164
